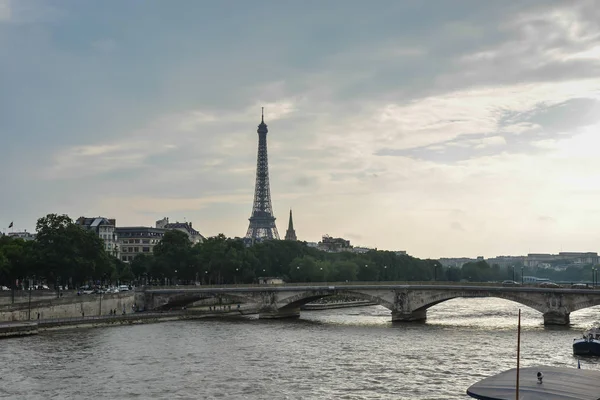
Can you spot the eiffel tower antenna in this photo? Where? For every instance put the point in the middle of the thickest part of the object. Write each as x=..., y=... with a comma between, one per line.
x=262, y=221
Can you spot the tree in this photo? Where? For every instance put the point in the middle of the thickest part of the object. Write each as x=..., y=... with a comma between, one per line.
x=173, y=255
x=304, y=269
x=140, y=266
x=479, y=271
x=65, y=250
x=344, y=271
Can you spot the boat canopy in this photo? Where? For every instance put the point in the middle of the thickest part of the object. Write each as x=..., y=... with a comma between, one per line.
x=557, y=383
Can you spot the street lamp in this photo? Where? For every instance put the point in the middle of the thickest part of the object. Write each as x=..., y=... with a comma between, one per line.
x=385, y=272
x=30, y=289
x=513, y=267
x=522, y=277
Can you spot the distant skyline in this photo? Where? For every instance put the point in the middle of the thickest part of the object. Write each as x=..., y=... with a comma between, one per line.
x=445, y=129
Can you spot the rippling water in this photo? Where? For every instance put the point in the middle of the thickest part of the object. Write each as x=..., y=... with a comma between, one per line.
x=354, y=353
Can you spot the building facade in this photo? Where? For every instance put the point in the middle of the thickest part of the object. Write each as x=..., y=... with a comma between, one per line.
x=455, y=262
x=334, y=245
x=27, y=236
x=506, y=261
x=105, y=228
x=135, y=240
x=185, y=227
x=563, y=258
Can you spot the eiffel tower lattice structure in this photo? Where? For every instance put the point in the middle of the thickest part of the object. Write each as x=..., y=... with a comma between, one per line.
x=262, y=222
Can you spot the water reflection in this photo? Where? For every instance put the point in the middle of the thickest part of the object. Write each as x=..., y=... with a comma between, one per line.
x=343, y=353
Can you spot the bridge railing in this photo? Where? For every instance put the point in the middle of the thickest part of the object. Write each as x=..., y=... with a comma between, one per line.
x=353, y=283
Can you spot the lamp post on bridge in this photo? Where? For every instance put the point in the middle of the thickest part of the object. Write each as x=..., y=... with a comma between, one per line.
x=522, y=278
x=513, y=267
x=30, y=288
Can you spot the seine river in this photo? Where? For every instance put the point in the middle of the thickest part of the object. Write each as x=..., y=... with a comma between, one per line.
x=354, y=353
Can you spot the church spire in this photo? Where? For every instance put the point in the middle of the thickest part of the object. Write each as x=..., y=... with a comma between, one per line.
x=290, y=234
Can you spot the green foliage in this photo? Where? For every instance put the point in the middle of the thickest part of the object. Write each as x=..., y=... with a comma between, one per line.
x=344, y=271
x=62, y=252
x=479, y=271
x=220, y=260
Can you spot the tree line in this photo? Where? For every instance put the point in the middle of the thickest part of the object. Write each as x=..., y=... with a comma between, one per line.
x=64, y=253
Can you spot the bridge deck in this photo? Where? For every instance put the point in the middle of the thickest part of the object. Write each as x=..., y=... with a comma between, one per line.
x=362, y=286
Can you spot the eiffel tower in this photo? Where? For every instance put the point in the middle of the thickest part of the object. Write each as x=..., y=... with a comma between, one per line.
x=262, y=221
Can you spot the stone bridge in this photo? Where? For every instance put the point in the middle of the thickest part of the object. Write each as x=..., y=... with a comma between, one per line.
x=406, y=302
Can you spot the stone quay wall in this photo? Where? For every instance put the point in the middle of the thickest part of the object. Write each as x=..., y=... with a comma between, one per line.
x=68, y=307
x=22, y=296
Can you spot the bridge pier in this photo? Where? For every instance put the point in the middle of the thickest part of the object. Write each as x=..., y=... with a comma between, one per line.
x=556, y=318
x=280, y=313
x=399, y=316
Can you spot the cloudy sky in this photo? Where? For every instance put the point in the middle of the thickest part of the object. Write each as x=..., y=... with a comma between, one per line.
x=457, y=128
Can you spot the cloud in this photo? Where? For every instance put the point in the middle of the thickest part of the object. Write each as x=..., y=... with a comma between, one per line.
x=104, y=45
x=5, y=10
x=457, y=226
x=18, y=12
x=408, y=124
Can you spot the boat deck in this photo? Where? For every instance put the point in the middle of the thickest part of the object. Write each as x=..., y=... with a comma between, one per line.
x=557, y=384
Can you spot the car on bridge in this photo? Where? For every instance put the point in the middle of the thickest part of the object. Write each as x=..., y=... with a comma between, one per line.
x=550, y=285
x=581, y=286
x=510, y=283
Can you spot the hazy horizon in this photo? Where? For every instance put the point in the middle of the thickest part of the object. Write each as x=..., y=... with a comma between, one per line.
x=444, y=129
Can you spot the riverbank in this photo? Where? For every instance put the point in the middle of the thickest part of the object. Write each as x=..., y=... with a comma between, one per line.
x=25, y=328
x=66, y=307
x=17, y=329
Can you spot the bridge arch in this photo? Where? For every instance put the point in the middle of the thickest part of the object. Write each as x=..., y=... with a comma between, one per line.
x=177, y=300
x=441, y=297
x=585, y=303
x=300, y=299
